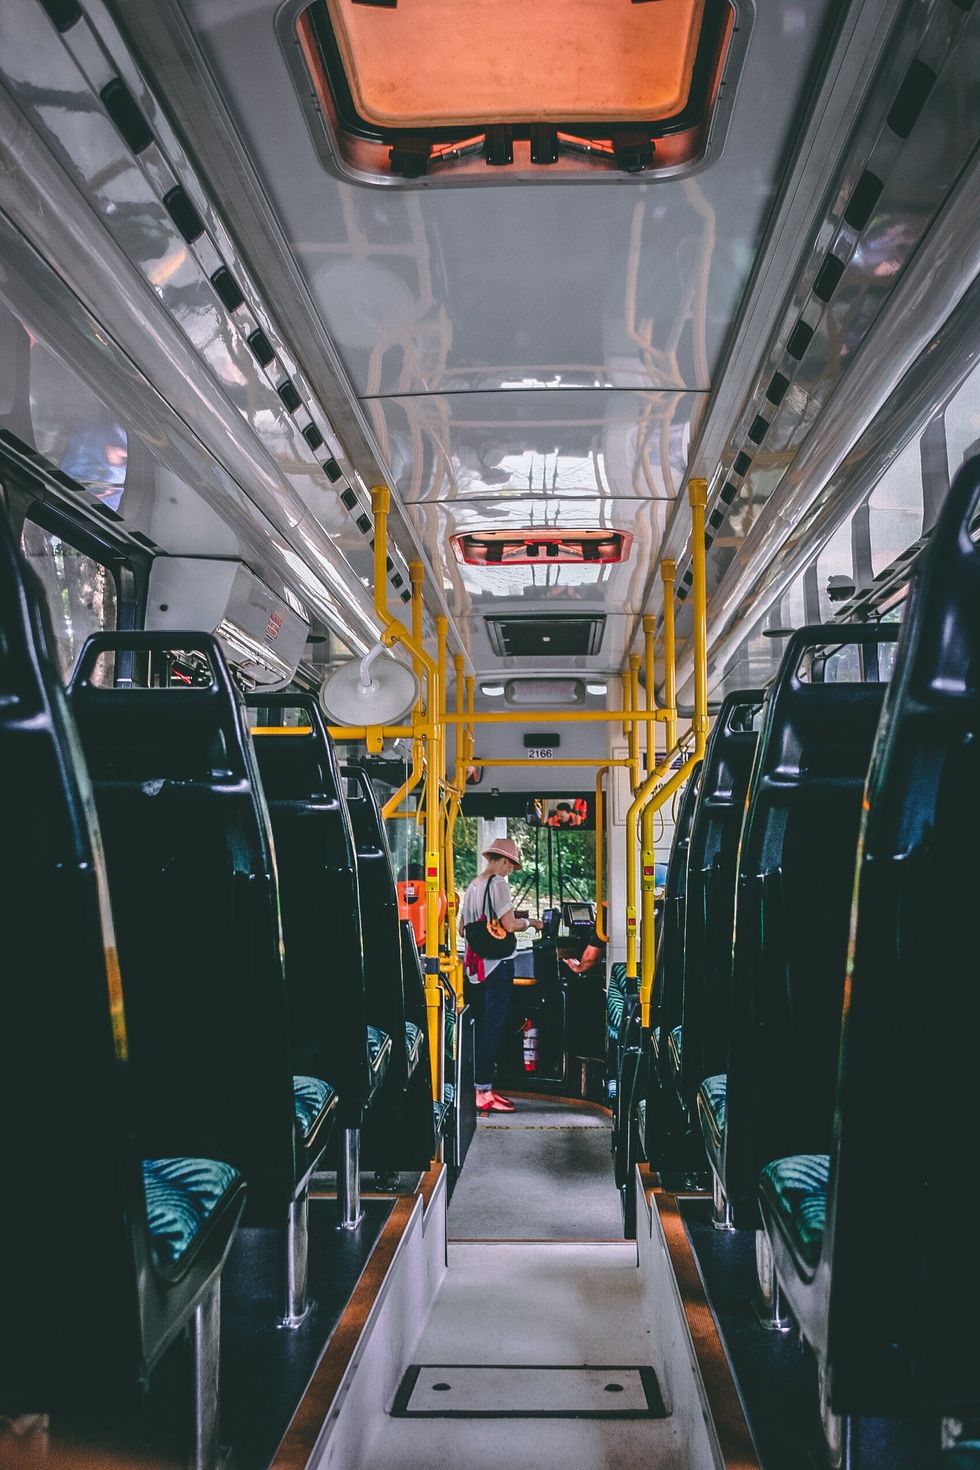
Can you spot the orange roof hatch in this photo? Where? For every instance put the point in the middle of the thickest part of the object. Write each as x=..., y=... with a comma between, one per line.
x=444, y=88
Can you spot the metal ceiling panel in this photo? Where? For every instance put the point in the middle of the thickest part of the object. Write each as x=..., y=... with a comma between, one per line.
x=634, y=285
x=583, y=442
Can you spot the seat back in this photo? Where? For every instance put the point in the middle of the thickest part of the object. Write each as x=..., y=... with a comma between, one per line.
x=901, y=1235
x=71, y=1320
x=792, y=904
x=318, y=889
x=669, y=961
x=196, y=905
x=413, y=979
x=382, y=929
x=710, y=908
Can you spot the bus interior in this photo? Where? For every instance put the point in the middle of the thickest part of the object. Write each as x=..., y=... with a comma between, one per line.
x=432, y=429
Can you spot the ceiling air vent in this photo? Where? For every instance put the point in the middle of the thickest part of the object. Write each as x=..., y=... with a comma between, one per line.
x=541, y=548
x=559, y=635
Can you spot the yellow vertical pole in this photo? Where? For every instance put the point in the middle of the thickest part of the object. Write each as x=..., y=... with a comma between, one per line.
x=648, y=856
x=649, y=627
x=459, y=778
x=628, y=728
x=600, y=927
x=698, y=494
x=394, y=631
x=668, y=571
x=434, y=858
x=634, y=743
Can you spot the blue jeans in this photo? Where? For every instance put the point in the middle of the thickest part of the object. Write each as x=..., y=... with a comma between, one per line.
x=490, y=1003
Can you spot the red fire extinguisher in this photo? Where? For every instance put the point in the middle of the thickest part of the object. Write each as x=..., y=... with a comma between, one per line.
x=530, y=1046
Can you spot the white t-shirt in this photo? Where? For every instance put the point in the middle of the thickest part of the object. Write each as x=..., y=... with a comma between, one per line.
x=501, y=900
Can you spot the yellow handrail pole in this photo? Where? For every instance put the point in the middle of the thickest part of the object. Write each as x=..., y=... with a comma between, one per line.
x=627, y=701
x=460, y=773
x=634, y=728
x=601, y=934
x=668, y=571
x=390, y=808
x=395, y=632
x=648, y=860
x=649, y=627
x=360, y=732
x=416, y=574
x=453, y=812
x=435, y=865
x=470, y=731
x=564, y=716
x=697, y=496
x=587, y=761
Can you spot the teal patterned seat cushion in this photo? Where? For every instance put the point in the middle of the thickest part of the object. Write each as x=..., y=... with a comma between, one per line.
x=655, y=1039
x=964, y=1456
x=641, y=1120
x=795, y=1190
x=181, y=1194
x=675, y=1045
x=449, y=1092
x=413, y=1041
x=616, y=999
x=450, y=1032
x=712, y=1109
x=310, y=1097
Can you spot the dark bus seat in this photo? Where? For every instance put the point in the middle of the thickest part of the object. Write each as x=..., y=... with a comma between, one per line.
x=194, y=892
x=398, y=1131
x=796, y=869
x=459, y=1093
x=321, y=922
x=416, y=1021
x=710, y=908
x=104, y=1259
x=423, y=1125
x=890, y=1300
x=670, y=954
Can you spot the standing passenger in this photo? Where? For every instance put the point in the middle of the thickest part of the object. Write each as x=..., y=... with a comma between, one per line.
x=489, y=982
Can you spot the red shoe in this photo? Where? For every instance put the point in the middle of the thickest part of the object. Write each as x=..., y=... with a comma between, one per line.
x=495, y=1104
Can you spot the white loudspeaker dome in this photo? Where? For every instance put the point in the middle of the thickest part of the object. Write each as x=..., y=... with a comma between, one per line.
x=374, y=690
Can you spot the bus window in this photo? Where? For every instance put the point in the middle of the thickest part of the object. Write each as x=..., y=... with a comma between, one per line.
x=896, y=508
x=80, y=592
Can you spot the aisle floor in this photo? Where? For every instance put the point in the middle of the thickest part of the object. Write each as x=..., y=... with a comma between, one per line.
x=543, y=1172
x=540, y=1277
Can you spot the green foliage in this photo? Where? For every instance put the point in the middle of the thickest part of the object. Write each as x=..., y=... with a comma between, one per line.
x=577, y=862
x=464, y=852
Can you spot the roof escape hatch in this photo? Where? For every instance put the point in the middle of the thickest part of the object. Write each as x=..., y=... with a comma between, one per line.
x=470, y=89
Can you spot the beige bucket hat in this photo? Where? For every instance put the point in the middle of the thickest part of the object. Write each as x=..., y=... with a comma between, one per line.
x=503, y=847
